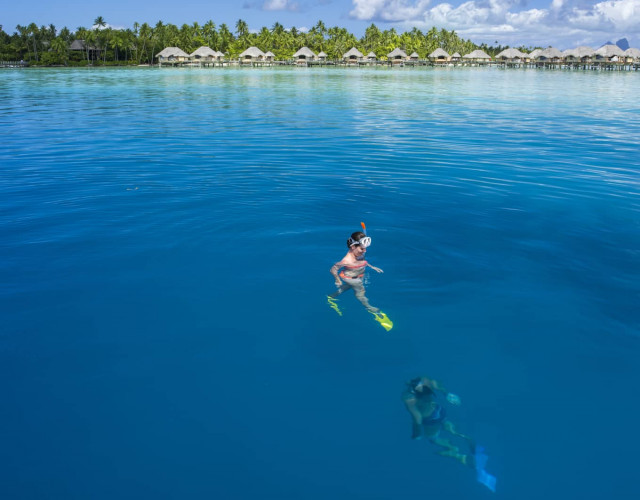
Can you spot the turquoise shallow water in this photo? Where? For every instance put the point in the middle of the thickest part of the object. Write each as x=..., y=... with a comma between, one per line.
x=166, y=237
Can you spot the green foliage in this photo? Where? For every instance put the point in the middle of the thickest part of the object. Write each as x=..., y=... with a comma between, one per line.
x=140, y=45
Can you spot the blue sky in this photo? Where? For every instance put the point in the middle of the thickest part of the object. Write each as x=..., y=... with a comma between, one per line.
x=561, y=23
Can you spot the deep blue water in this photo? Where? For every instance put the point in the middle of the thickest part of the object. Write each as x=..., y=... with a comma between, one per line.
x=165, y=242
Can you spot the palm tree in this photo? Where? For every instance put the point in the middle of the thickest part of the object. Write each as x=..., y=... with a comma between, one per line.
x=59, y=46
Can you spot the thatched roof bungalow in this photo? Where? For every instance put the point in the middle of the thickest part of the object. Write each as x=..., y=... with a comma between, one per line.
x=304, y=54
x=322, y=56
x=252, y=54
x=550, y=54
x=372, y=57
x=397, y=56
x=203, y=54
x=455, y=57
x=439, y=56
x=534, y=54
x=479, y=56
x=510, y=55
x=353, y=55
x=632, y=55
x=269, y=56
x=172, y=55
x=582, y=54
x=414, y=56
x=608, y=52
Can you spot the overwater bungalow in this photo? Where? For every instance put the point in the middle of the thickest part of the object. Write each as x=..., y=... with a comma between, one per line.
x=455, y=57
x=550, y=55
x=439, y=56
x=173, y=56
x=372, y=57
x=353, y=56
x=534, y=53
x=251, y=55
x=397, y=56
x=304, y=56
x=414, y=57
x=322, y=57
x=203, y=55
x=510, y=55
x=582, y=54
x=606, y=53
x=632, y=55
x=269, y=56
x=477, y=57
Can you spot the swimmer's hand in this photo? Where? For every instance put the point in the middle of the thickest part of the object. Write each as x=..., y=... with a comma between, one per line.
x=376, y=269
x=453, y=399
x=338, y=283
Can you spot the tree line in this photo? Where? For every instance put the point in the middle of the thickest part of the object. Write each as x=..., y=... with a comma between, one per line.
x=101, y=44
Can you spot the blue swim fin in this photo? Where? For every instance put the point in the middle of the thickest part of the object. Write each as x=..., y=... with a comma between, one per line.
x=482, y=476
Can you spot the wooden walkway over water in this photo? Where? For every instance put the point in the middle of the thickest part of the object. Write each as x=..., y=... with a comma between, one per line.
x=546, y=65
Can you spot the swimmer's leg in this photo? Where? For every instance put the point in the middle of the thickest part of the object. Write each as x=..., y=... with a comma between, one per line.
x=451, y=428
x=450, y=450
x=359, y=291
x=343, y=288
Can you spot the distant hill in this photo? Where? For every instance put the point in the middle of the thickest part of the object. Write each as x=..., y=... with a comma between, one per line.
x=623, y=43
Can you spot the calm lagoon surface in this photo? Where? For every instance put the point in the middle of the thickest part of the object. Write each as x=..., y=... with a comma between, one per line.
x=166, y=237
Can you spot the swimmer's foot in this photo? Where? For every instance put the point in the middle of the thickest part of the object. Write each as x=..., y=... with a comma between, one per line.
x=333, y=304
x=383, y=319
x=454, y=453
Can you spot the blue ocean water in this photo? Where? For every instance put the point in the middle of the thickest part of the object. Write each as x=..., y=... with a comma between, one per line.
x=166, y=237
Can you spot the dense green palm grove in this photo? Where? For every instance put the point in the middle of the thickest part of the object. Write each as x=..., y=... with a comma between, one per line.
x=45, y=45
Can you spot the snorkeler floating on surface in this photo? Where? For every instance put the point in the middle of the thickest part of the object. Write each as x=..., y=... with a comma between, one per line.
x=429, y=421
x=353, y=265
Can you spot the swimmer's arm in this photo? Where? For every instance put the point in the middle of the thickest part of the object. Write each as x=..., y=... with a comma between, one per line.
x=334, y=271
x=375, y=268
x=410, y=403
x=434, y=385
x=437, y=386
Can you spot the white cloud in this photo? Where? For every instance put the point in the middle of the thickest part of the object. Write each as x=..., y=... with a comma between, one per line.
x=563, y=22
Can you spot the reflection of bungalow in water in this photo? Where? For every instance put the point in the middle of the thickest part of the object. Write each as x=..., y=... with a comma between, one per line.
x=353, y=56
x=510, y=55
x=477, y=56
x=269, y=56
x=632, y=55
x=251, y=55
x=439, y=56
x=304, y=55
x=204, y=55
x=172, y=55
x=322, y=57
x=607, y=53
x=582, y=54
x=397, y=56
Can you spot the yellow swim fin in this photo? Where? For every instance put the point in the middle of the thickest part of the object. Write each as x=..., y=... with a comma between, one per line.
x=384, y=320
x=334, y=305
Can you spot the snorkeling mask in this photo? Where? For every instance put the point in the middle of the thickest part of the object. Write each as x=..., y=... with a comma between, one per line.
x=363, y=242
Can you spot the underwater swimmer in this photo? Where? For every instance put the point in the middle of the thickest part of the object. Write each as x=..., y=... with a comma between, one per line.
x=430, y=421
